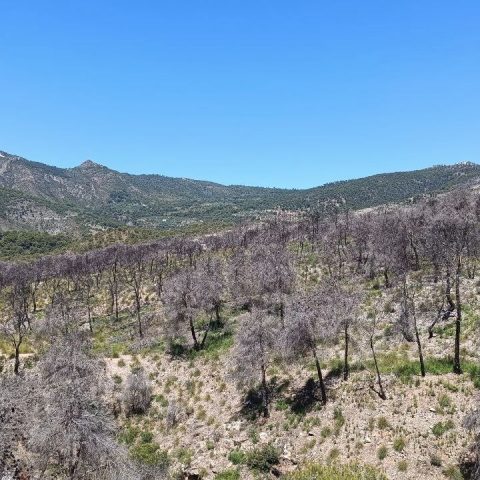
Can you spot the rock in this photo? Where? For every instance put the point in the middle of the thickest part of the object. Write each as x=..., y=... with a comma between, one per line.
x=264, y=437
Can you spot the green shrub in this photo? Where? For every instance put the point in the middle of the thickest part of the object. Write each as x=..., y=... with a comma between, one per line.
x=382, y=452
x=338, y=418
x=231, y=474
x=237, y=457
x=336, y=472
x=262, y=458
x=440, y=428
x=399, y=444
x=453, y=473
x=128, y=435
x=402, y=466
x=150, y=454
x=382, y=423
x=146, y=437
x=184, y=456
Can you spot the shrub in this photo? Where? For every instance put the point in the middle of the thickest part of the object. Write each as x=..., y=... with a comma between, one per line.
x=382, y=423
x=382, y=452
x=128, y=435
x=440, y=428
x=237, y=457
x=453, y=473
x=138, y=393
x=150, y=454
x=402, y=466
x=231, y=474
x=399, y=444
x=262, y=458
x=336, y=472
x=338, y=418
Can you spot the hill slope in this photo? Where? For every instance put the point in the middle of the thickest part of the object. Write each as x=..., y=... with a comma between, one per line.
x=45, y=198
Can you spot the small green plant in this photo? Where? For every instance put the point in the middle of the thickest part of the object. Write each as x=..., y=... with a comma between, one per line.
x=184, y=456
x=237, y=457
x=146, y=437
x=326, y=432
x=382, y=423
x=336, y=472
x=441, y=427
x=453, y=473
x=262, y=458
x=333, y=454
x=444, y=401
x=382, y=452
x=399, y=444
x=128, y=435
x=117, y=379
x=231, y=474
x=402, y=466
x=338, y=418
x=150, y=454
x=281, y=405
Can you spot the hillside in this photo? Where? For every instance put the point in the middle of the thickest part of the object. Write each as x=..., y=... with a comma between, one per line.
x=90, y=196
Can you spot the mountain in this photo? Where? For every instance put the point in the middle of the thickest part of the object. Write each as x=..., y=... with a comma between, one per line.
x=40, y=197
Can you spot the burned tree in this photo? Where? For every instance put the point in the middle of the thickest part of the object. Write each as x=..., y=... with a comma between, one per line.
x=307, y=326
x=254, y=350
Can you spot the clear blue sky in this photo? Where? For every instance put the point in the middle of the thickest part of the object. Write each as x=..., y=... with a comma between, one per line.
x=277, y=93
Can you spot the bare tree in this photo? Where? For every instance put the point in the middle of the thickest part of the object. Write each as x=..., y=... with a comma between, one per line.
x=72, y=430
x=254, y=350
x=371, y=326
x=307, y=326
x=138, y=393
x=15, y=325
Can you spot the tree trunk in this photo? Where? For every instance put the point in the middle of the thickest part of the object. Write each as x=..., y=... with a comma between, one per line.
x=139, y=317
x=204, y=339
x=323, y=390
x=448, y=295
x=196, y=345
x=346, y=366
x=457, y=368
x=381, y=392
x=419, y=343
x=16, y=368
x=415, y=253
x=387, y=279
x=264, y=391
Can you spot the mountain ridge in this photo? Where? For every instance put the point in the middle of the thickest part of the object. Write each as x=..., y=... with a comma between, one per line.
x=38, y=196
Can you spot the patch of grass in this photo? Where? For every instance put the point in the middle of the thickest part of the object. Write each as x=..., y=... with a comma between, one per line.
x=399, y=444
x=150, y=453
x=231, y=474
x=441, y=427
x=336, y=472
x=453, y=473
x=382, y=452
x=217, y=343
x=338, y=418
x=129, y=434
x=382, y=423
x=402, y=466
x=184, y=456
x=237, y=457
